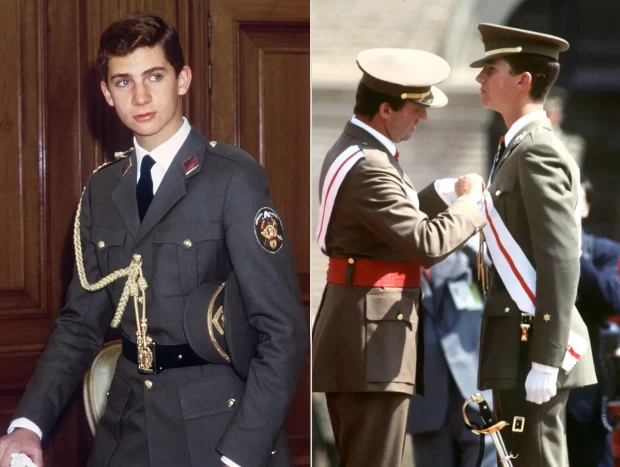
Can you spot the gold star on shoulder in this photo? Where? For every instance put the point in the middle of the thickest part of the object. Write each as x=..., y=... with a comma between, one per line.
x=547, y=317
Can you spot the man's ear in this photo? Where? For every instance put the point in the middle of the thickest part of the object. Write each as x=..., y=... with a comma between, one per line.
x=184, y=80
x=384, y=111
x=106, y=93
x=525, y=81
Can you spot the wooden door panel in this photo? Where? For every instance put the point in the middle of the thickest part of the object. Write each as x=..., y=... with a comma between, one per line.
x=263, y=50
x=274, y=71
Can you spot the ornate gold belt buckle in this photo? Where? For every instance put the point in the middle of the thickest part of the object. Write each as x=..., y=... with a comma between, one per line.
x=146, y=358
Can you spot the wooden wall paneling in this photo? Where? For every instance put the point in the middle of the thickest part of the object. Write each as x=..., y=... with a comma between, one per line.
x=22, y=280
x=63, y=46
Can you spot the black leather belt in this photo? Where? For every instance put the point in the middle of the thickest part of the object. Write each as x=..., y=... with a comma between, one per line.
x=166, y=356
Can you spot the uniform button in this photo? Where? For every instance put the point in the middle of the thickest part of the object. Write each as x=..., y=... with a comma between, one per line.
x=399, y=317
x=498, y=192
x=273, y=452
x=351, y=261
x=101, y=244
x=231, y=402
x=187, y=243
x=506, y=310
x=180, y=357
x=148, y=384
x=107, y=393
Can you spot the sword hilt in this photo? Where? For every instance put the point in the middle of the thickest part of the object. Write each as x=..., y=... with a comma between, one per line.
x=489, y=427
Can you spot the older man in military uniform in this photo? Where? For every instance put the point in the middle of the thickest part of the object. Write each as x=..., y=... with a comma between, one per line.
x=377, y=237
x=182, y=217
x=534, y=344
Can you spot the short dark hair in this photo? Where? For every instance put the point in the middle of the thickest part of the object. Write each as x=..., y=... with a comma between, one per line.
x=136, y=30
x=588, y=189
x=544, y=71
x=368, y=101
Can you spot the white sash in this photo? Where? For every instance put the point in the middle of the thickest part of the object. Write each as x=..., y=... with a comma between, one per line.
x=333, y=180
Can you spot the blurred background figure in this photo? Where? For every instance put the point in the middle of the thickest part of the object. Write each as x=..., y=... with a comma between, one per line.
x=452, y=309
x=588, y=427
x=554, y=106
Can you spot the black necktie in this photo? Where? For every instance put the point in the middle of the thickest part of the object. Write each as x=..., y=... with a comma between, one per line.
x=144, y=189
x=500, y=151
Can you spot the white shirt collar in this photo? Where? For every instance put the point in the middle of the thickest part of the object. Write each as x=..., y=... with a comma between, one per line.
x=389, y=145
x=521, y=123
x=165, y=152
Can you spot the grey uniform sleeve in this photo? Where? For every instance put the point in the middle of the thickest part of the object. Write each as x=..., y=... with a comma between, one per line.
x=270, y=292
x=77, y=337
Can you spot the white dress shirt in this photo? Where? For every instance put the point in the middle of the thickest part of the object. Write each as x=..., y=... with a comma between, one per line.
x=522, y=123
x=163, y=156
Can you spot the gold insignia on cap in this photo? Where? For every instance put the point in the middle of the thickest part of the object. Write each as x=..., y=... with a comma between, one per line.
x=218, y=320
x=213, y=143
x=214, y=321
x=547, y=317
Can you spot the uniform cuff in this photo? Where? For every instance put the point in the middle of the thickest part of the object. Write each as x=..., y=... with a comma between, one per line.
x=545, y=368
x=24, y=423
x=228, y=462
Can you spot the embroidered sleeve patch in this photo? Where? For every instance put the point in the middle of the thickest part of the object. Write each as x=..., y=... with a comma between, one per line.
x=268, y=230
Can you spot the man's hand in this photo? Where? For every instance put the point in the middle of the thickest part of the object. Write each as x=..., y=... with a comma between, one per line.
x=21, y=440
x=470, y=184
x=540, y=384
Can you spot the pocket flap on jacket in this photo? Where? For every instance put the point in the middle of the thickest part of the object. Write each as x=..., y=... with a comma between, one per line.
x=193, y=231
x=500, y=304
x=504, y=185
x=396, y=305
x=210, y=396
x=109, y=237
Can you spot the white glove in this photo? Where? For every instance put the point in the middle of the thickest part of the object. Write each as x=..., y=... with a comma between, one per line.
x=540, y=384
x=21, y=460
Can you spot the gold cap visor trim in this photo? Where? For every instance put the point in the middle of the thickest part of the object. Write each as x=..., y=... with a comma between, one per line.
x=505, y=50
x=420, y=95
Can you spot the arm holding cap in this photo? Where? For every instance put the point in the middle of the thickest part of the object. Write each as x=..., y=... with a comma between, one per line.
x=270, y=292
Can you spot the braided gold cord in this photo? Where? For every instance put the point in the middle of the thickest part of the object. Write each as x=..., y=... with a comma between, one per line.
x=136, y=284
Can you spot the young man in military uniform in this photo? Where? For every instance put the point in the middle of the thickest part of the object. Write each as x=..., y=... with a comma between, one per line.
x=534, y=345
x=185, y=215
x=377, y=237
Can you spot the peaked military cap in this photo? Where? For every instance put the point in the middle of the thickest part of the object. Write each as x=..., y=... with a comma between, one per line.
x=405, y=73
x=216, y=325
x=500, y=41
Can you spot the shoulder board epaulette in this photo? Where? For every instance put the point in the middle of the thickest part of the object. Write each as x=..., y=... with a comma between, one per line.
x=121, y=154
x=229, y=151
x=117, y=157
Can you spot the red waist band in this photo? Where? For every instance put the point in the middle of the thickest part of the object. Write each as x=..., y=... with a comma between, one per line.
x=374, y=273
